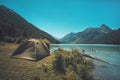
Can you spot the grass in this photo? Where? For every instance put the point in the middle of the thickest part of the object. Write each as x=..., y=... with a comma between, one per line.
x=72, y=66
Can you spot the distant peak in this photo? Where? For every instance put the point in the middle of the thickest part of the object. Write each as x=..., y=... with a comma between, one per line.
x=71, y=32
x=104, y=26
x=89, y=28
x=2, y=6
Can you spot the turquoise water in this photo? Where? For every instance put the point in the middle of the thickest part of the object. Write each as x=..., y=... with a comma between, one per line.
x=111, y=53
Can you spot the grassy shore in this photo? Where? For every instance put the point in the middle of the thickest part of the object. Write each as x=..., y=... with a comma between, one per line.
x=60, y=65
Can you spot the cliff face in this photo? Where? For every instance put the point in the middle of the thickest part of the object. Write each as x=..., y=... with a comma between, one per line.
x=13, y=26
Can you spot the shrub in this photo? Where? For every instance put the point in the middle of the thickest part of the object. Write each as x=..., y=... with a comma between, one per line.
x=72, y=64
x=58, y=64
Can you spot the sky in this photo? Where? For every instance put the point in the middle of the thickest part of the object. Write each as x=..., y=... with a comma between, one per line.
x=60, y=17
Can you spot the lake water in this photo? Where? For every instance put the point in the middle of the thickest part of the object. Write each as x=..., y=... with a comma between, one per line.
x=111, y=53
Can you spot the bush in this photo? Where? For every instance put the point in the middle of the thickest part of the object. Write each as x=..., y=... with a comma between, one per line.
x=58, y=63
x=73, y=65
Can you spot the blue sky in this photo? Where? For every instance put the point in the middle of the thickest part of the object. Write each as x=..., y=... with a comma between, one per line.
x=60, y=17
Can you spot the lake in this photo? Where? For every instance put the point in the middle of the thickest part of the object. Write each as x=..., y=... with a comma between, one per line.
x=111, y=53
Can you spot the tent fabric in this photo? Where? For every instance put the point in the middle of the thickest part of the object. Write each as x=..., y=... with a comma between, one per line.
x=32, y=49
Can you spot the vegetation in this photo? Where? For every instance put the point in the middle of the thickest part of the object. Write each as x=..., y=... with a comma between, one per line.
x=60, y=65
x=72, y=65
x=14, y=28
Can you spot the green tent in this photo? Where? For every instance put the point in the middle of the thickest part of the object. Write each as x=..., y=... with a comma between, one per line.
x=32, y=50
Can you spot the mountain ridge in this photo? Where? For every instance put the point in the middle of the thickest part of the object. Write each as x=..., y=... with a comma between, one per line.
x=93, y=36
x=13, y=27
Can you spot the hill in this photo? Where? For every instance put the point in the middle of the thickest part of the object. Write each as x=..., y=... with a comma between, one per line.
x=14, y=28
x=100, y=35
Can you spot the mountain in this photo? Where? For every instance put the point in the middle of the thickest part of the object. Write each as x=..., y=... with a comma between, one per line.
x=13, y=27
x=105, y=29
x=102, y=34
x=110, y=38
x=68, y=37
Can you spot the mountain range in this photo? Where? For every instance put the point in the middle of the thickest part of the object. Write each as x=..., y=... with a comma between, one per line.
x=14, y=27
x=100, y=35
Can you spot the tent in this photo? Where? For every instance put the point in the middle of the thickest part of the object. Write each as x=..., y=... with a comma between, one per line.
x=32, y=50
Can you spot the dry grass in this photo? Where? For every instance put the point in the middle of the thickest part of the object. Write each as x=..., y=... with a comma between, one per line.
x=19, y=69
x=7, y=48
